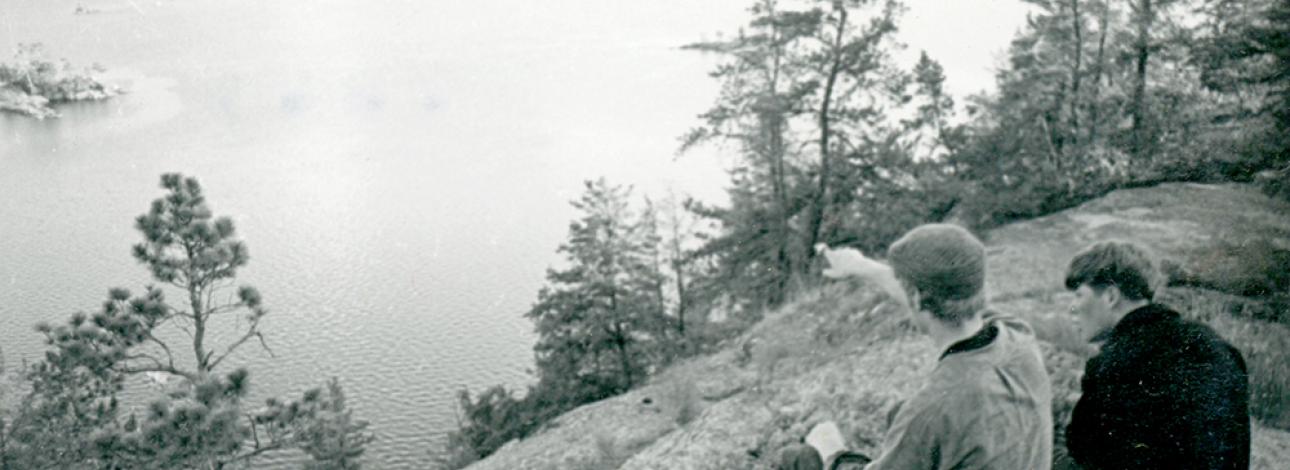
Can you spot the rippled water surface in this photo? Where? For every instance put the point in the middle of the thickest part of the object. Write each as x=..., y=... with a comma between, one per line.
x=399, y=172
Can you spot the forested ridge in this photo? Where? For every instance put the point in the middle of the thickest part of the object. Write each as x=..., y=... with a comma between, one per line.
x=839, y=145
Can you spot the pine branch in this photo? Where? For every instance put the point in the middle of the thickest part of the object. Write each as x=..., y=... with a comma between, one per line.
x=182, y=313
x=251, y=332
x=226, y=308
x=158, y=367
x=134, y=357
x=259, y=449
x=170, y=358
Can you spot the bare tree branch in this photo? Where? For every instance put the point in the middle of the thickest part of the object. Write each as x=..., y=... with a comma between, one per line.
x=209, y=293
x=155, y=361
x=271, y=446
x=185, y=330
x=180, y=312
x=160, y=368
x=265, y=344
x=227, y=308
x=252, y=331
x=170, y=358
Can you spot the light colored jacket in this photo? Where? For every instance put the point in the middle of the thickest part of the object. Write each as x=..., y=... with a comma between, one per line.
x=987, y=405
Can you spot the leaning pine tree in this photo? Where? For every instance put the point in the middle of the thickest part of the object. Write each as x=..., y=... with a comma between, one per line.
x=72, y=419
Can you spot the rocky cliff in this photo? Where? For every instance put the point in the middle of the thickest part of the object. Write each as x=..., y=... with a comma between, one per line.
x=843, y=353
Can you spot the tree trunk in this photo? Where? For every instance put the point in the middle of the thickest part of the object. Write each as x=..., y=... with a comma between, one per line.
x=772, y=149
x=620, y=343
x=773, y=128
x=1144, y=19
x=1077, y=24
x=659, y=283
x=677, y=263
x=199, y=318
x=1095, y=104
x=677, y=267
x=820, y=198
x=1054, y=127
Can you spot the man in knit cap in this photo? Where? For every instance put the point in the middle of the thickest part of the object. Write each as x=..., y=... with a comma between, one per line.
x=987, y=402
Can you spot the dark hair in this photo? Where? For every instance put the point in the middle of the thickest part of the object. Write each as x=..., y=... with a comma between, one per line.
x=1127, y=266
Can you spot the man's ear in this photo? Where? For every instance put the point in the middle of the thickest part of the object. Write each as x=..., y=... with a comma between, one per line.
x=1111, y=293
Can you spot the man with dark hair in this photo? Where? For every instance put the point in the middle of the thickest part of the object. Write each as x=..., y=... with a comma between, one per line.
x=1163, y=392
x=988, y=402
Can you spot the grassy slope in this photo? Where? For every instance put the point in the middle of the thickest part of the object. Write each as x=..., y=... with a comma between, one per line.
x=841, y=353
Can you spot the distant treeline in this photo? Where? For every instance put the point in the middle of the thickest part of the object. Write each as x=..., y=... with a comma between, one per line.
x=841, y=146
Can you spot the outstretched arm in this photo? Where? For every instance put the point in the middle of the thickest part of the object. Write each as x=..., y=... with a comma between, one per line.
x=850, y=262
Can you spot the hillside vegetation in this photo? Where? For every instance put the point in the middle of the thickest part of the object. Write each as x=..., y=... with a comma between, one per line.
x=841, y=352
x=840, y=145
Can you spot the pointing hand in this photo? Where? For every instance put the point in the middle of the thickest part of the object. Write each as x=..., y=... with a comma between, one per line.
x=849, y=262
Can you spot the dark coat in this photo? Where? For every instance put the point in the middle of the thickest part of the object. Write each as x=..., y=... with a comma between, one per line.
x=1162, y=393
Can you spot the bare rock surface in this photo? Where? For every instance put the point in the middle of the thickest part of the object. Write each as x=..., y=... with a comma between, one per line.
x=1231, y=238
x=845, y=353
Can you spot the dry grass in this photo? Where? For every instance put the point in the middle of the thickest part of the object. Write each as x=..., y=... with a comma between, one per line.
x=607, y=451
x=608, y=456
x=798, y=336
x=1266, y=347
x=1181, y=222
x=682, y=400
x=1060, y=332
x=835, y=353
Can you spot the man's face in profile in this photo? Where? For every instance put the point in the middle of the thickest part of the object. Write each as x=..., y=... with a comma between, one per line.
x=1091, y=310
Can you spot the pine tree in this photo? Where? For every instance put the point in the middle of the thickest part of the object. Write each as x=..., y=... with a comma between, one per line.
x=1095, y=95
x=763, y=91
x=599, y=316
x=936, y=109
x=72, y=417
x=1248, y=52
x=679, y=233
x=804, y=95
x=852, y=64
x=335, y=440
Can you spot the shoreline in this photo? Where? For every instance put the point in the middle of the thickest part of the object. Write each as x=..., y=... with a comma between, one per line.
x=15, y=100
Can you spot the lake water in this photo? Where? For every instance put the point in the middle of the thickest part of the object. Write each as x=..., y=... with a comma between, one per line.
x=400, y=171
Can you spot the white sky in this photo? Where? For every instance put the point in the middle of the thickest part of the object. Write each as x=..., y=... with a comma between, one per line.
x=969, y=38
x=966, y=36
x=581, y=88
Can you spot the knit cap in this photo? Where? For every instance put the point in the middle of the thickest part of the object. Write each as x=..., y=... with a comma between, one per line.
x=943, y=261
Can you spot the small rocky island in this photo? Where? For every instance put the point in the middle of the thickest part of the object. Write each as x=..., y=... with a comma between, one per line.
x=31, y=84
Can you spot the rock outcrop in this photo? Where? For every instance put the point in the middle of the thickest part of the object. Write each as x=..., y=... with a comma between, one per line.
x=15, y=101
x=66, y=89
x=844, y=353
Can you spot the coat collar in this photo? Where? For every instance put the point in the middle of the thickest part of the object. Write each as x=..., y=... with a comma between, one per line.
x=1142, y=316
x=981, y=339
x=1146, y=315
